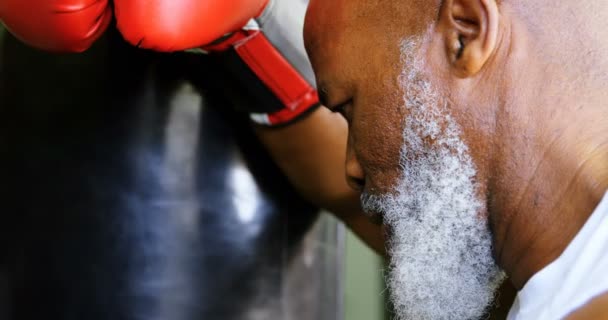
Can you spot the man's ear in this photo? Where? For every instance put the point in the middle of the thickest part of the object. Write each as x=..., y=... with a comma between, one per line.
x=470, y=30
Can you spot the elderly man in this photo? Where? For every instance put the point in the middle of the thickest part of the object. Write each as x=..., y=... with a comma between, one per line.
x=478, y=133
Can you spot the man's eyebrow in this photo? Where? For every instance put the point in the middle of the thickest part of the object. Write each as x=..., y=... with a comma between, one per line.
x=323, y=95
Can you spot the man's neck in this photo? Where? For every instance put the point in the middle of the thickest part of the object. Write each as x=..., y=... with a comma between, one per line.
x=552, y=162
x=547, y=215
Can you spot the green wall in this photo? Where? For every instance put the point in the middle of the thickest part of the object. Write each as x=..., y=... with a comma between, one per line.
x=364, y=285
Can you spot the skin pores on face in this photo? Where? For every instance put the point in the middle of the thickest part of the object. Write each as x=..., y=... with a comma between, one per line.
x=442, y=266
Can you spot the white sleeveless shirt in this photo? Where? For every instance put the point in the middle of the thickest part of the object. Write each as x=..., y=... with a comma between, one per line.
x=577, y=276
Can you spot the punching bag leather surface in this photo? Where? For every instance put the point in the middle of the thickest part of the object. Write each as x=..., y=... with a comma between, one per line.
x=130, y=191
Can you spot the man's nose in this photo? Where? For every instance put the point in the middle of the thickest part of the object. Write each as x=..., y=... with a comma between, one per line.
x=355, y=176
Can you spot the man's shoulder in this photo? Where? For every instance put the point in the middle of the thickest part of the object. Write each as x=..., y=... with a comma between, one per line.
x=595, y=309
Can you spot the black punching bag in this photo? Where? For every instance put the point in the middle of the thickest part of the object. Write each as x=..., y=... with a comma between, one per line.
x=130, y=192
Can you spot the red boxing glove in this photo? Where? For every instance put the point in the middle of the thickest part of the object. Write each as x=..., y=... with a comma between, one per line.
x=162, y=25
x=56, y=25
x=260, y=39
x=175, y=25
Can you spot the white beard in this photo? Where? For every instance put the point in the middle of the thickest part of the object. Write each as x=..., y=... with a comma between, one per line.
x=442, y=265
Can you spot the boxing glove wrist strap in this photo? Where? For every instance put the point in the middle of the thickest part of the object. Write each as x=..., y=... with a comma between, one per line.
x=255, y=61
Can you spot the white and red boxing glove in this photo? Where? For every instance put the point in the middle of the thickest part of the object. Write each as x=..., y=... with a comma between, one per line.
x=260, y=41
x=260, y=38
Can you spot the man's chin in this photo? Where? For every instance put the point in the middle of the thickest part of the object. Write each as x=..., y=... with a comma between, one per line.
x=435, y=295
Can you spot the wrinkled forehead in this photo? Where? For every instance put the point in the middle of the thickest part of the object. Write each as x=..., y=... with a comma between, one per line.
x=343, y=32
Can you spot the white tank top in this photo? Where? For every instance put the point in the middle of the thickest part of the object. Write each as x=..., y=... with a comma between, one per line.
x=577, y=276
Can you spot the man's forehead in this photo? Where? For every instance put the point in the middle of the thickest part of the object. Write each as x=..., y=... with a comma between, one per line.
x=340, y=22
x=348, y=40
